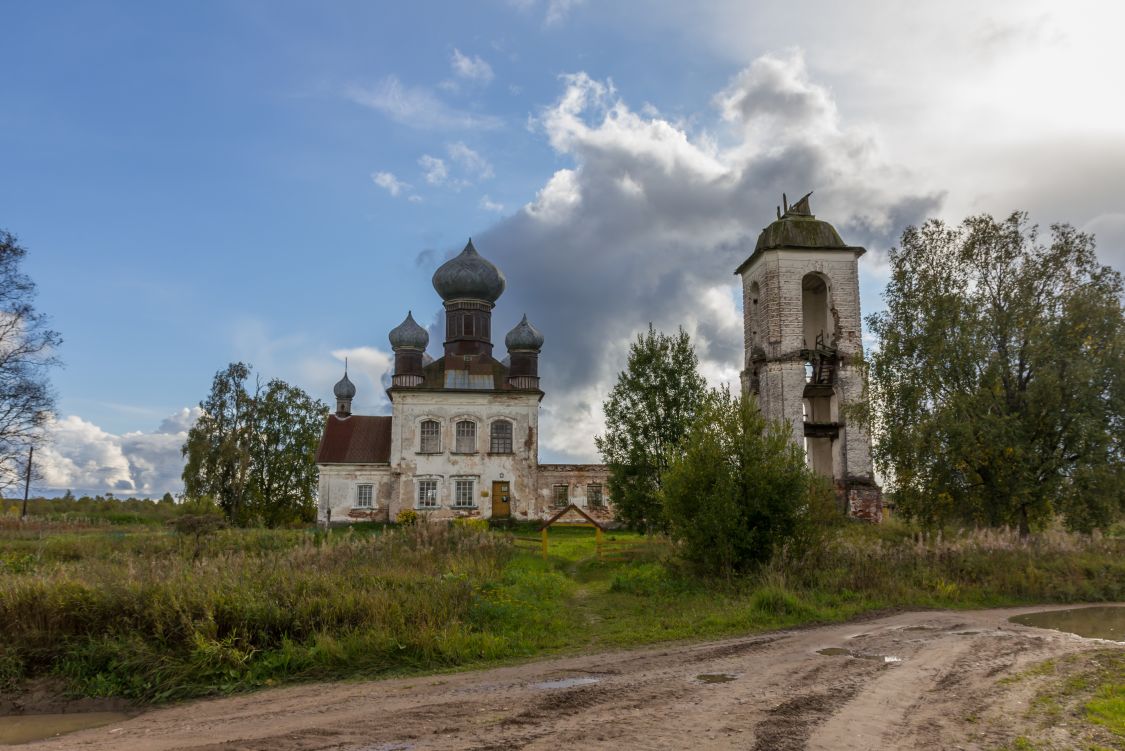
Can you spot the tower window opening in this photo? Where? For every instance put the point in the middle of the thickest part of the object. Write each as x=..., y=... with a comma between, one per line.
x=815, y=311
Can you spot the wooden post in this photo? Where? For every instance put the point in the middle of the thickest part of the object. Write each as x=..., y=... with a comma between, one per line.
x=598, y=541
x=27, y=482
x=543, y=533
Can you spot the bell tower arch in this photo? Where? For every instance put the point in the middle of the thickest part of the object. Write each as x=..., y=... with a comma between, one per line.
x=802, y=332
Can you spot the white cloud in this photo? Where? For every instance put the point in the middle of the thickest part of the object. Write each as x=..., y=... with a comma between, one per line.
x=470, y=161
x=434, y=169
x=417, y=107
x=470, y=68
x=558, y=10
x=653, y=216
x=83, y=458
x=488, y=204
x=389, y=182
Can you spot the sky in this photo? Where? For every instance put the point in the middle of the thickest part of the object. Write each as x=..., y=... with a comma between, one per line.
x=275, y=182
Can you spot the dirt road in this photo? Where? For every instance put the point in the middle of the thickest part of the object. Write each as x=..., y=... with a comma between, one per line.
x=768, y=692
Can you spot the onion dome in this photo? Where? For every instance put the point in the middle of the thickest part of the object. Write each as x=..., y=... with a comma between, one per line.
x=344, y=388
x=409, y=334
x=470, y=276
x=524, y=336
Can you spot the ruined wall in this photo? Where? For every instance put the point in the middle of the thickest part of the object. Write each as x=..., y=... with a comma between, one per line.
x=577, y=478
x=483, y=467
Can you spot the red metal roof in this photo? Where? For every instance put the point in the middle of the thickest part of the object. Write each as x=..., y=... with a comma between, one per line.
x=358, y=439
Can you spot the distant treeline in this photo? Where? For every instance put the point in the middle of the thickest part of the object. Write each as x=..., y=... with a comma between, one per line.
x=105, y=509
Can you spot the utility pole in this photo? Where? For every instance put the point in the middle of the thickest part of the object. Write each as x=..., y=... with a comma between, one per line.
x=27, y=482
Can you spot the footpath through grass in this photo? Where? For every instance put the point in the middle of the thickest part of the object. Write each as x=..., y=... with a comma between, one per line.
x=126, y=611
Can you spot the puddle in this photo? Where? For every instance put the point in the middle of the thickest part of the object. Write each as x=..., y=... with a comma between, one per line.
x=1102, y=622
x=36, y=727
x=566, y=683
x=837, y=651
x=715, y=677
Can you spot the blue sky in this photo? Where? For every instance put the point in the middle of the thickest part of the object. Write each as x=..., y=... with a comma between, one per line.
x=275, y=182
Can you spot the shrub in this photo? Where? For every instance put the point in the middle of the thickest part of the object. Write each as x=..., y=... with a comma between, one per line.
x=740, y=490
x=407, y=517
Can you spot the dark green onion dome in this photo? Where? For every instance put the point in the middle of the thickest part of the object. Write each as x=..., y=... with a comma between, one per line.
x=524, y=336
x=469, y=276
x=344, y=388
x=409, y=334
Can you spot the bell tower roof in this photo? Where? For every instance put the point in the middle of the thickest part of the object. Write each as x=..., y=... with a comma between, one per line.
x=796, y=228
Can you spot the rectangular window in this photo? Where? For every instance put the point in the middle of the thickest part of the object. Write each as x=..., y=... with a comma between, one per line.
x=427, y=494
x=364, y=495
x=594, y=495
x=463, y=496
x=431, y=437
x=501, y=442
x=466, y=437
x=562, y=495
x=468, y=324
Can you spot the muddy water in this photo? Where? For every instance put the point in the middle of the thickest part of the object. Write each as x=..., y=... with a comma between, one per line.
x=1103, y=622
x=837, y=651
x=565, y=683
x=715, y=677
x=35, y=727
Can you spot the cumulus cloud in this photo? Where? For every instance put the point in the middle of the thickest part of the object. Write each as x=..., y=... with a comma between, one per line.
x=651, y=219
x=433, y=169
x=390, y=183
x=84, y=458
x=417, y=107
x=470, y=68
x=488, y=204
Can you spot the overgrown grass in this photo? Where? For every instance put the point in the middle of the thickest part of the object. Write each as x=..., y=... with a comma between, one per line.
x=125, y=611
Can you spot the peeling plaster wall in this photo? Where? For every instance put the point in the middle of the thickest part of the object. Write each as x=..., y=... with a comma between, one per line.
x=337, y=491
x=577, y=478
x=518, y=468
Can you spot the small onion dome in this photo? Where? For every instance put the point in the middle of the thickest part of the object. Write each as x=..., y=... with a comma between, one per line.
x=409, y=334
x=470, y=276
x=524, y=336
x=344, y=388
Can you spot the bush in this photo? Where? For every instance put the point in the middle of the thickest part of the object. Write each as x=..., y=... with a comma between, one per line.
x=407, y=517
x=740, y=490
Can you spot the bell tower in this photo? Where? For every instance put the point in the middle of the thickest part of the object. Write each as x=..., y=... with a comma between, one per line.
x=802, y=334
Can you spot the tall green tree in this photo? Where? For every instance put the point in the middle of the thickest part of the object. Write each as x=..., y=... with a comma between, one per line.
x=740, y=489
x=28, y=349
x=288, y=423
x=996, y=387
x=254, y=451
x=647, y=413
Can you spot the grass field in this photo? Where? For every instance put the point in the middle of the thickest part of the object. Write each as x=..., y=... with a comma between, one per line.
x=129, y=610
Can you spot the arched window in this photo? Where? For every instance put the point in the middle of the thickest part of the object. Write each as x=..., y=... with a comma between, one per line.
x=431, y=437
x=815, y=311
x=501, y=439
x=466, y=437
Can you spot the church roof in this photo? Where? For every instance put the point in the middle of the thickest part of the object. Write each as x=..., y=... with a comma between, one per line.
x=357, y=439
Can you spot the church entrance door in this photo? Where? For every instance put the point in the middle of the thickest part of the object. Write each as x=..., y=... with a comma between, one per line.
x=501, y=501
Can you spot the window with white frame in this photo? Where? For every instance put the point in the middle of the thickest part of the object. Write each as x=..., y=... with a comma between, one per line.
x=430, y=431
x=501, y=438
x=463, y=495
x=466, y=437
x=427, y=494
x=562, y=495
x=594, y=498
x=364, y=496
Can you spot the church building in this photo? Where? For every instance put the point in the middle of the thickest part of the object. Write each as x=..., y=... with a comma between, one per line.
x=462, y=439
